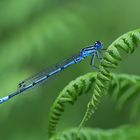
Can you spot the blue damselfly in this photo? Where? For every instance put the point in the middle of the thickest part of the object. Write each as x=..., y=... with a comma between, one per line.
x=92, y=50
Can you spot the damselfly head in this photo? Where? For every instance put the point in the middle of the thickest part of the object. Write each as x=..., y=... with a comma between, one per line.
x=98, y=45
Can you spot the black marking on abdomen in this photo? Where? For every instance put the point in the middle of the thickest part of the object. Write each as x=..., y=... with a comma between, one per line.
x=62, y=68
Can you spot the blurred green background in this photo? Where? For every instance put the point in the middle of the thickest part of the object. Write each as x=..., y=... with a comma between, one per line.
x=37, y=34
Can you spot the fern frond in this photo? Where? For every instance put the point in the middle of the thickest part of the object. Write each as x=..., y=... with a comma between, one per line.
x=127, y=42
x=121, y=88
x=126, y=132
x=69, y=95
x=124, y=89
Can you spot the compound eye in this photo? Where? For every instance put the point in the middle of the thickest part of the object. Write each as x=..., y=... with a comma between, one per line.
x=98, y=43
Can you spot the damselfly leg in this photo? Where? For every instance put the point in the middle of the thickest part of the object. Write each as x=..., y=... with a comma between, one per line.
x=99, y=57
x=92, y=62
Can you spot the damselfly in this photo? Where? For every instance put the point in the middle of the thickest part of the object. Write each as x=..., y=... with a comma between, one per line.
x=92, y=50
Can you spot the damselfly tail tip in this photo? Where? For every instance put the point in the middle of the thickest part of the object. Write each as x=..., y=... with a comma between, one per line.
x=4, y=99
